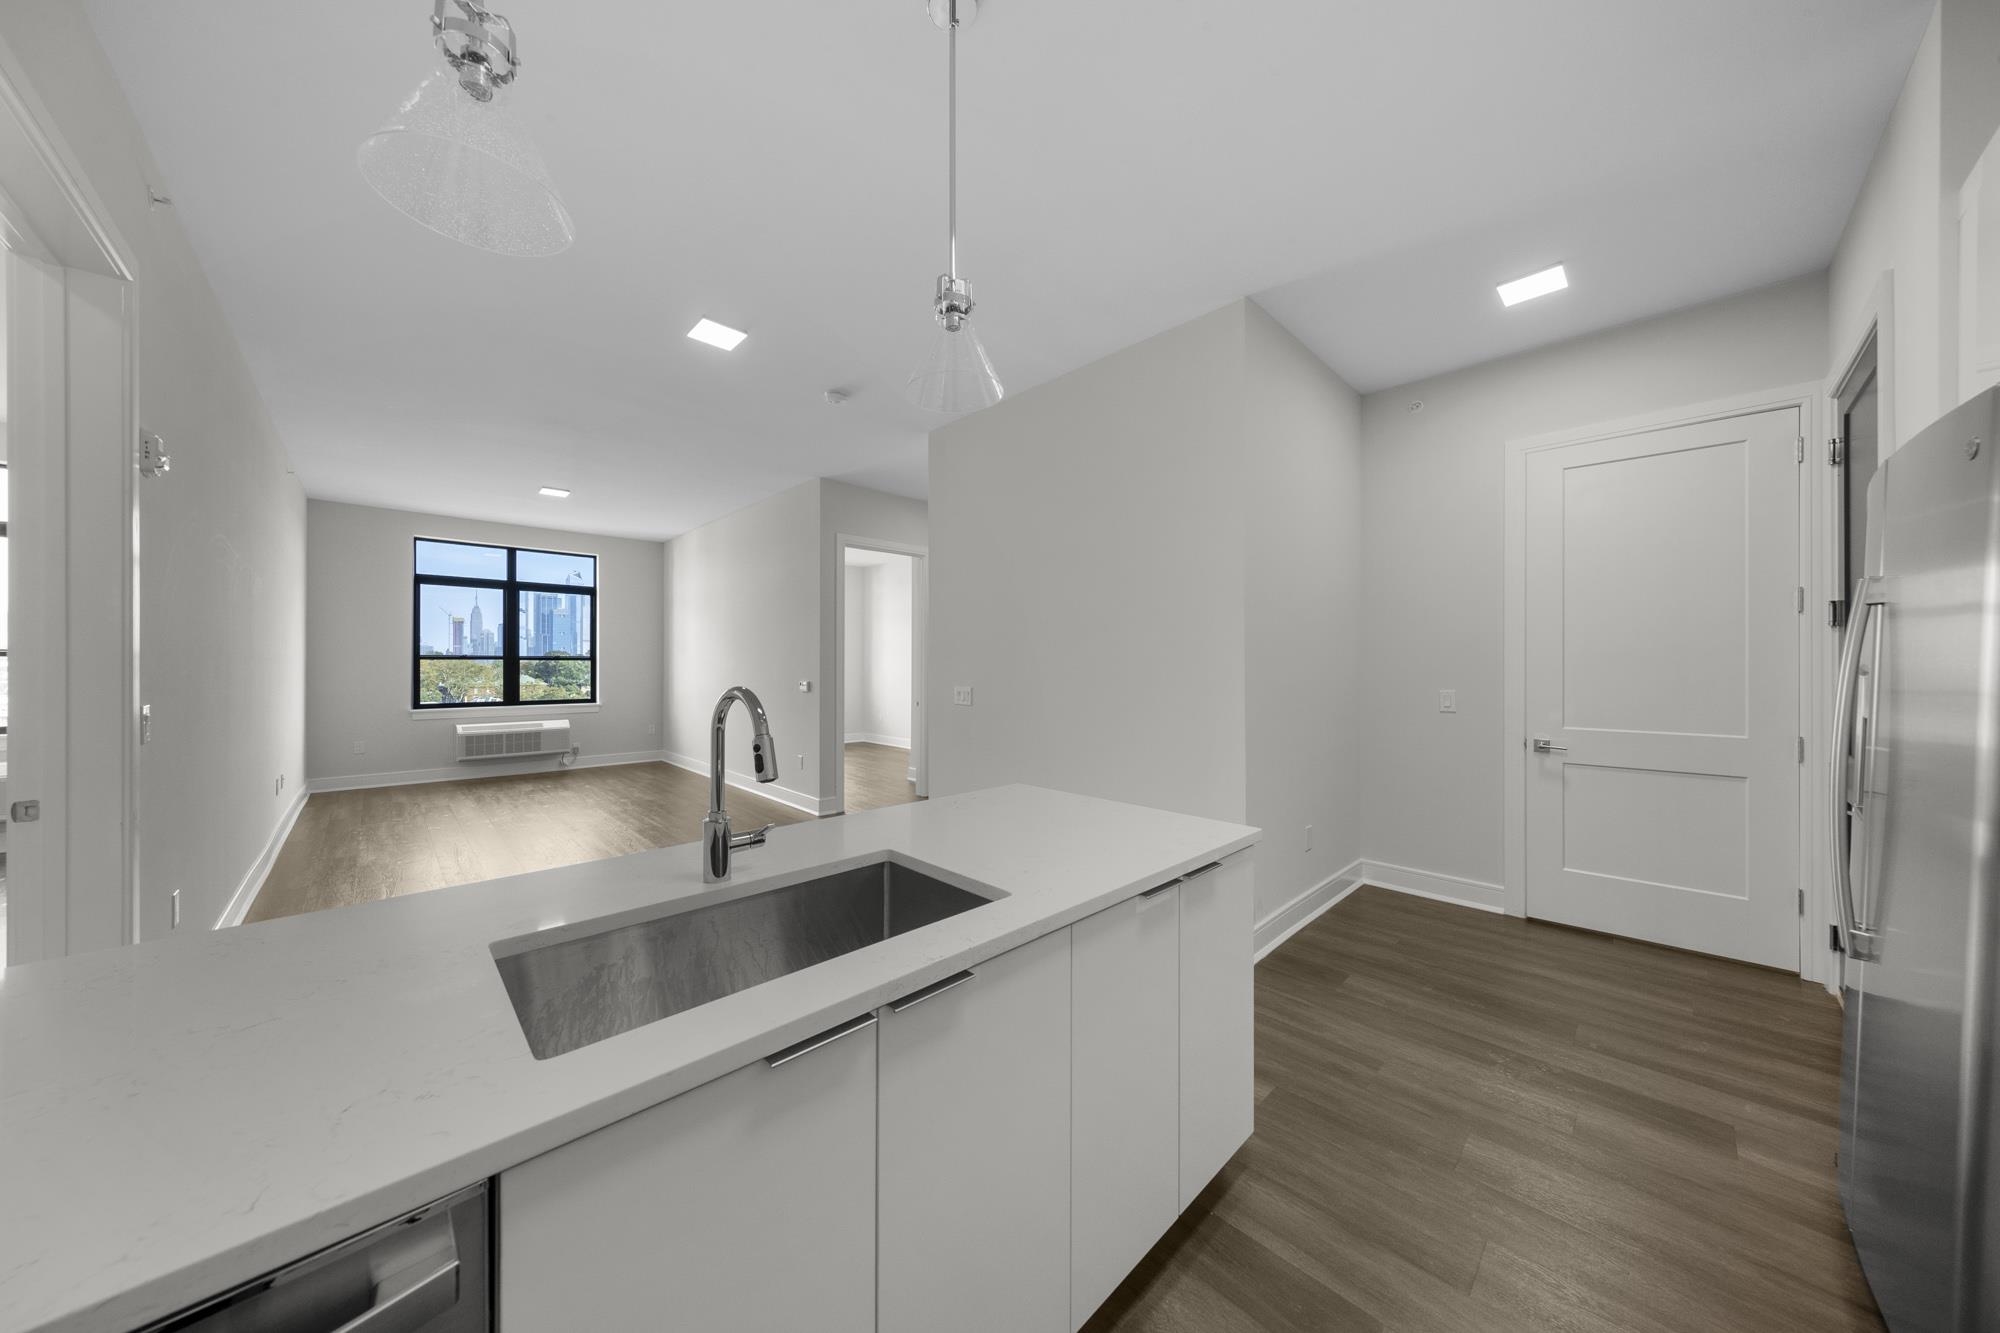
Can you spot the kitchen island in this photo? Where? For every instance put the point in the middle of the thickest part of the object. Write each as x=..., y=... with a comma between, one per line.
x=182, y=1116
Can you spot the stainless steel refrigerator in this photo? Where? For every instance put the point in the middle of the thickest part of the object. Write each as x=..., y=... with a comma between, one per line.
x=1916, y=783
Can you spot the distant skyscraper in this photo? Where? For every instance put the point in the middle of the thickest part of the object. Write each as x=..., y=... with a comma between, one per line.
x=457, y=636
x=478, y=626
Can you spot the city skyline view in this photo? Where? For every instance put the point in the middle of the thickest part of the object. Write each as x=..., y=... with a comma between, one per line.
x=550, y=641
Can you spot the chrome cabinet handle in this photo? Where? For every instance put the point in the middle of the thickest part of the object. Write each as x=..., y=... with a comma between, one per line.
x=936, y=988
x=1543, y=745
x=1860, y=941
x=411, y=1305
x=1158, y=889
x=813, y=1043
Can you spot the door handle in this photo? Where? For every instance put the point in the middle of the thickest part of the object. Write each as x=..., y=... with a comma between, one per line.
x=1543, y=745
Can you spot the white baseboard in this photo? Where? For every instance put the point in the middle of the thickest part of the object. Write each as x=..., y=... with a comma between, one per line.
x=1301, y=911
x=1429, y=884
x=260, y=869
x=485, y=768
x=770, y=791
x=876, y=738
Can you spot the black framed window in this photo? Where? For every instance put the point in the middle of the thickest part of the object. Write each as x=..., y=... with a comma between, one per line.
x=502, y=626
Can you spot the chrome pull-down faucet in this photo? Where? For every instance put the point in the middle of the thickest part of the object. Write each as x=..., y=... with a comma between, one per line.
x=717, y=842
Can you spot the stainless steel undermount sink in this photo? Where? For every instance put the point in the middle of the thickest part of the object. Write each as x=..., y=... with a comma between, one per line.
x=578, y=989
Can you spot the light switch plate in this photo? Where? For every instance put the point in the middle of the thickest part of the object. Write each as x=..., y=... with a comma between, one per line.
x=962, y=695
x=1447, y=701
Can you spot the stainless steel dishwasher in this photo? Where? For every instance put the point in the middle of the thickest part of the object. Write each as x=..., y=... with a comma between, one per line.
x=425, y=1272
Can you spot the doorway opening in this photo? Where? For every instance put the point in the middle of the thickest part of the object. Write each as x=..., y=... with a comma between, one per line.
x=1857, y=451
x=880, y=695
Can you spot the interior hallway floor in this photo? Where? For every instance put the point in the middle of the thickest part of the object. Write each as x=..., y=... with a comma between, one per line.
x=877, y=775
x=1470, y=1123
x=379, y=842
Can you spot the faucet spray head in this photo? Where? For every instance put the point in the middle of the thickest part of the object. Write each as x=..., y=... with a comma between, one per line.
x=764, y=754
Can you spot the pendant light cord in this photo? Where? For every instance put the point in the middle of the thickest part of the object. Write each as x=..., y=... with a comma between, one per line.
x=951, y=122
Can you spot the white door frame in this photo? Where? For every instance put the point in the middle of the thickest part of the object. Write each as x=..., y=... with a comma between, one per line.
x=1808, y=400
x=1877, y=324
x=920, y=602
x=73, y=439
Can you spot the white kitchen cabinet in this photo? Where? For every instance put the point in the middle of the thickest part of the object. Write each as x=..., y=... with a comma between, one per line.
x=745, y=1205
x=974, y=1149
x=1218, y=1020
x=1125, y=1090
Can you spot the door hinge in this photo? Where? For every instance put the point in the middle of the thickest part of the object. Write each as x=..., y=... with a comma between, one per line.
x=1802, y=449
x=1802, y=749
x=1802, y=599
x=1802, y=902
x=1834, y=456
x=1836, y=613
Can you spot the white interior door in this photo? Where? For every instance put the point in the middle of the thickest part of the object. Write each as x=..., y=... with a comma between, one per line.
x=1661, y=672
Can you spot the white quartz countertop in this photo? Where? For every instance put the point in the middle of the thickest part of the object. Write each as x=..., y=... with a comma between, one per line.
x=181, y=1116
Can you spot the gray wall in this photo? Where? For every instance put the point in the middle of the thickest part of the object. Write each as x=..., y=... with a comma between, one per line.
x=1433, y=549
x=359, y=568
x=222, y=605
x=742, y=608
x=1302, y=613
x=1148, y=571
x=1087, y=581
x=750, y=601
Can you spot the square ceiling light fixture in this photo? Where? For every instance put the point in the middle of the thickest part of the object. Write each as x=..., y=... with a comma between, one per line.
x=555, y=492
x=717, y=335
x=1535, y=284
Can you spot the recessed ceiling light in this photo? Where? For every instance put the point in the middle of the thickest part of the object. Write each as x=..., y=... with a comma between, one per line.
x=555, y=492
x=717, y=335
x=1535, y=284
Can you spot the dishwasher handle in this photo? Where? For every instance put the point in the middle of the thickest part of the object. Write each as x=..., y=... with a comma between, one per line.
x=409, y=1300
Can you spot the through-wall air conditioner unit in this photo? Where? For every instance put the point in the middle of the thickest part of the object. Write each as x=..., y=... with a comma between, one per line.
x=512, y=740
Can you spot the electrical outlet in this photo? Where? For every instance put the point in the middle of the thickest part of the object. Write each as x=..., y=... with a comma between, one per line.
x=360, y=747
x=805, y=687
x=1447, y=701
x=962, y=695
x=802, y=762
x=652, y=728
x=1309, y=837
x=278, y=786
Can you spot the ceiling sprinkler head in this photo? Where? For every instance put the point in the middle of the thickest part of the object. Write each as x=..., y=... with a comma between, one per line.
x=835, y=397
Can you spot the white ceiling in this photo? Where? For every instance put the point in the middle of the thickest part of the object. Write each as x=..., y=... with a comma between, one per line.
x=1368, y=171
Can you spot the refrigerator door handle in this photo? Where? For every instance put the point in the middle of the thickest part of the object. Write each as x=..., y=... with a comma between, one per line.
x=1860, y=941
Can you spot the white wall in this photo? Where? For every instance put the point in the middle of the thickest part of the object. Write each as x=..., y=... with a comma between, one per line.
x=852, y=511
x=1897, y=228
x=1433, y=532
x=1087, y=580
x=359, y=564
x=877, y=653
x=222, y=606
x=742, y=608
x=1302, y=613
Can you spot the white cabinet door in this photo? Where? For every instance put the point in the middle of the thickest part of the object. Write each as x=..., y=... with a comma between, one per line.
x=744, y=1206
x=1218, y=1061
x=1125, y=1091
x=974, y=1149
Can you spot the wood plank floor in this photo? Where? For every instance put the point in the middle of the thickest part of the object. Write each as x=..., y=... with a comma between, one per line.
x=358, y=846
x=877, y=775
x=1470, y=1123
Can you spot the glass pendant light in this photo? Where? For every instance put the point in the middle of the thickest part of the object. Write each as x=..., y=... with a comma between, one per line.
x=454, y=158
x=958, y=375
